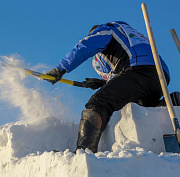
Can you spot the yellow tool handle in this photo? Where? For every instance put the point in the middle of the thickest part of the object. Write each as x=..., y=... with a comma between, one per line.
x=48, y=77
x=45, y=76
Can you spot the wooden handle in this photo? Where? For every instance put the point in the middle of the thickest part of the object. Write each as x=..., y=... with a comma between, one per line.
x=158, y=65
x=176, y=39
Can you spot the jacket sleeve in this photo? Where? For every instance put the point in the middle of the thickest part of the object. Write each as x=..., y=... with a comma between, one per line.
x=87, y=47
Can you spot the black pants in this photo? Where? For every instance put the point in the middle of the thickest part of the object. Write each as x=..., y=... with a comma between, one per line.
x=138, y=84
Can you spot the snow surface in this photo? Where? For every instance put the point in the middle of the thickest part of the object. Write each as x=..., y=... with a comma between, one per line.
x=130, y=146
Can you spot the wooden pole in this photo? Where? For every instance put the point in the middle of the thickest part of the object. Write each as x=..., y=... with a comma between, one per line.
x=160, y=71
x=176, y=39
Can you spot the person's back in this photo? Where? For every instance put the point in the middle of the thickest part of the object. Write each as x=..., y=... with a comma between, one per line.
x=127, y=47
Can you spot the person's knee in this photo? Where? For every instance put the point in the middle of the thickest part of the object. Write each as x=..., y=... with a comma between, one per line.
x=95, y=118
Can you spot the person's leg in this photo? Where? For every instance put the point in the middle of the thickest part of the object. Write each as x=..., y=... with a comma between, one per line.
x=89, y=130
x=152, y=99
x=138, y=84
x=132, y=85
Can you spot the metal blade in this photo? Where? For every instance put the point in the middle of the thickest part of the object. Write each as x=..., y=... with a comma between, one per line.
x=171, y=143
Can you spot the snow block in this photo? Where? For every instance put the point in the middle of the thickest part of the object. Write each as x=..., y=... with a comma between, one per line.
x=20, y=139
x=137, y=126
x=133, y=126
x=132, y=141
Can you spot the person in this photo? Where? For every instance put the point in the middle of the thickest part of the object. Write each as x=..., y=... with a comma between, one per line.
x=122, y=57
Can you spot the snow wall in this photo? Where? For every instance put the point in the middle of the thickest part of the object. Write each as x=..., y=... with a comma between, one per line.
x=132, y=141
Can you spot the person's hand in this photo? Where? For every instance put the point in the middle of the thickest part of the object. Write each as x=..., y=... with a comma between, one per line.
x=93, y=83
x=56, y=73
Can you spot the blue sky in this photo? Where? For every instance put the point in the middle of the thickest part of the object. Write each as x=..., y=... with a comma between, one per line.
x=43, y=31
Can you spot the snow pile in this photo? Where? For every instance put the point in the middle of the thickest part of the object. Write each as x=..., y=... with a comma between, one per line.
x=131, y=145
x=125, y=163
x=124, y=150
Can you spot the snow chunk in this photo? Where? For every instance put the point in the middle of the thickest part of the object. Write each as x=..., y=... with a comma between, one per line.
x=137, y=126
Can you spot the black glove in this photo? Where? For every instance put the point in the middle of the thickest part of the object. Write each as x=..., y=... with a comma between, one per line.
x=56, y=73
x=93, y=83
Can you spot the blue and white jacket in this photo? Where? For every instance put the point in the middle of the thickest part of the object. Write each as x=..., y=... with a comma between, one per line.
x=115, y=46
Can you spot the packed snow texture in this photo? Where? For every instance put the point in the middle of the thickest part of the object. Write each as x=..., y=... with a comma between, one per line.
x=131, y=145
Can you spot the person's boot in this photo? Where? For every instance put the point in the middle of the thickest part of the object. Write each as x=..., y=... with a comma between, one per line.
x=89, y=130
x=175, y=98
